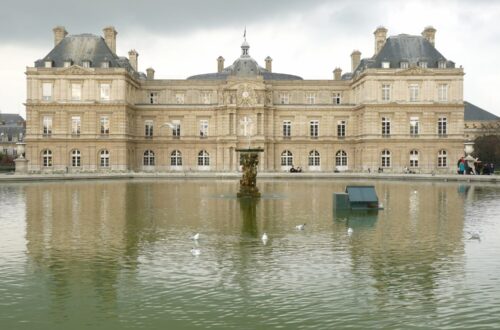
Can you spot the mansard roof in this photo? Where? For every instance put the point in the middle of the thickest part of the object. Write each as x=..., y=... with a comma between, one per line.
x=475, y=113
x=405, y=48
x=83, y=47
x=11, y=119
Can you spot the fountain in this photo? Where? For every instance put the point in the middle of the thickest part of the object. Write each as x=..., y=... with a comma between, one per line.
x=250, y=161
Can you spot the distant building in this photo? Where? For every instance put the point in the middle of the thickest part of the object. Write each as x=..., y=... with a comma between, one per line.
x=479, y=122
x=12, y=130
x=89, y=109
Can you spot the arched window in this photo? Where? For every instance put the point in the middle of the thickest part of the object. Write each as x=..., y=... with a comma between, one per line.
x=386, y=158
x=47, y=158
x=149, y=158
x=413, y=158
x=176, y=158
x=75, y=158
x=314, y=159
x=341, y=158
x=203, y=158
x=286, y=158
x=104, y=157
x=442, y=158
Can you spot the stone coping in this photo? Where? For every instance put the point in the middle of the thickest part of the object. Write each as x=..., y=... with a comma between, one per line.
x=11, y=177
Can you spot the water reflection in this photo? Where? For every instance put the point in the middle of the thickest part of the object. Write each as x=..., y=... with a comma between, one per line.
x=116, y=254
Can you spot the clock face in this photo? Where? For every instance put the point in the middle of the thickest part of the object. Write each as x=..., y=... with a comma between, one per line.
x=245, y=94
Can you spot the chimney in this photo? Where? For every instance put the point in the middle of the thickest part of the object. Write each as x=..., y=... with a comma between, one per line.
x=355, y=59
x=380, y=37
x=269, y=64
x=132, y=58
x=337, y=74
x=150, y=73
x=59, y=34
x=220, y=64
x=429, y=33
x=110, y=37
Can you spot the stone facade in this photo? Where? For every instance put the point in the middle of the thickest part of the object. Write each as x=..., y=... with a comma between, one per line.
x=93, y=111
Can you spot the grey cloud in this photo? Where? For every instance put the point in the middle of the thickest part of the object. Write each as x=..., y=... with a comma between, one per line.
x=32, y=20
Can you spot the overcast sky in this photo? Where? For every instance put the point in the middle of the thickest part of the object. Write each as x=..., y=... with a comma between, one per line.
x=307, y=38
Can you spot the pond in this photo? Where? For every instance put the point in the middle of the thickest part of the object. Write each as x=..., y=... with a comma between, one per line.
x=117, y=255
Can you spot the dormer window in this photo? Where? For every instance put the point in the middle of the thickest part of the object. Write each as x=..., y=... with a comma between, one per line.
x=422, y=64
x=442, y=64
x=404, y=65
x=86, y=64
x=105, y=64
x=386, y=65
x=48, y=63
x=68, y=63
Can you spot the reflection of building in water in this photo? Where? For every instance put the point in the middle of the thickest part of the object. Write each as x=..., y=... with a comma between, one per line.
x=420, y=229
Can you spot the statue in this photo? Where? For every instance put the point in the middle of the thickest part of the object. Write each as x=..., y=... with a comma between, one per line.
x=249, y=161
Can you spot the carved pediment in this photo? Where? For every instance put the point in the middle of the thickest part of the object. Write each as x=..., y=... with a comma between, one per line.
x=74, y=70
x=414, y=71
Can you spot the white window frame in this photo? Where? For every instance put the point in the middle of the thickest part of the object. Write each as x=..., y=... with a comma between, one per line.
x=203, y=159
x=341, y=160
x=105, y=91
x=404, y=65
x=336, y=98
x=414, y=158
x=47, y=125
x=47, y=91
x=414, y=90
x=386, y=92
x=203, y=128
x=76, y=91
x=286, y=160
x=76, y=125
x=442, y=128
x=443, y=92
x=310, y=98
x=341, y=128
x=314, y=129
x=422, y=64
x=284, y=98
x=314, y=160
x=385, y=65
x=148, y=128
x=47, y=158
x=176, y=159
x=386, y=126
x=104, y=125
x=414, y=126
x=153, y=97
x=442, y=161
x=385, y=160
x=287, y=128
x=179, y=98
x=76, y=158
x=176, y=130
x=149, y=158
x=104, y=158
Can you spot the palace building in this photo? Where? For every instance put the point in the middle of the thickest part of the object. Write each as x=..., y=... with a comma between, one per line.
x=89, y=109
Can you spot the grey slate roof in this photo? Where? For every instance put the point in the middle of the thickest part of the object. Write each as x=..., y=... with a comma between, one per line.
x=11, y=125
x=405, y=48
x=85, y=47
x=475, y=113
x=11, y=119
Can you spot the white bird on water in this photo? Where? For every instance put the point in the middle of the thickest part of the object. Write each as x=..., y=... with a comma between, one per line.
x=196, y=236
x=349, y=231
x=300, y=227
x=474, y=235
x=195, y=251
x=264, y=238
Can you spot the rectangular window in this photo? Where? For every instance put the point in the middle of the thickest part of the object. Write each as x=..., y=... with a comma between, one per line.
x=403, y=65
x=206, y=97
x=47, y=125
x=287, y=128
x=386, y=65
x=310, y=98
x=314, y=129
x=176, y=131
x=153, y=97
x=341, y=124
x=76, y=92
x=442, y=64
x=284, y=98
x=386, y=126
x=414, y=126
x=203, y=128
x=422, y=65
x=336, y=98
x=67, y=64
x=105, y=65
x=104, y=125
x=443, y=92
x=148, y=128
x=442, y=126
x=105, y=91
x=47, y=91
x=386, y=92
x=414, y=92
x=48, y=64
x=75, y=125
x=179, y=98
x=86, y=64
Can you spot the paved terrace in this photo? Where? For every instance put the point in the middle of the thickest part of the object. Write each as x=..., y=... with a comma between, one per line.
x=11, y=177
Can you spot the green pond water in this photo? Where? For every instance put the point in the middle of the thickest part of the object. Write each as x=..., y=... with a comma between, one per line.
x=117, y=255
